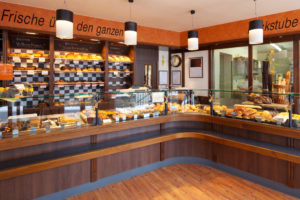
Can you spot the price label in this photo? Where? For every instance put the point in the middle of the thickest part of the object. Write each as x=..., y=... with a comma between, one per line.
x=16, y=59
x=106, y=121
x=42, y=60
x=29, y=61
x=48, y=129
x=158, y=97
x=17, y=50
x=20, y=86
x=79, y=73
x=29, y=51
x=57, y=61
x=45, y=73
x=78, y=124
x=31, y=56
x=135, y=116
x=30, y=72
x=24, y=65
x=17, y=73
x=156, y=114
x=62, y=127
x=124, y=117
x=117, y=119
x=95, y=62
x=15, y=132
x=76, y=61
x=33, y=130
x=146, y=115
x=43, y=86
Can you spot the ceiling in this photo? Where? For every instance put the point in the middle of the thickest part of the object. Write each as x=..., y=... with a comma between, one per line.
x=169, y=14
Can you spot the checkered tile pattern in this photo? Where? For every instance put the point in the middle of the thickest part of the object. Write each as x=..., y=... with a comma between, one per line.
x=31, y=78
x=127, y=81
x=76, y=76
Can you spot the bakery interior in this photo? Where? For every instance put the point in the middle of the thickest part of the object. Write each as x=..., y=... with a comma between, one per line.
x=91, y=95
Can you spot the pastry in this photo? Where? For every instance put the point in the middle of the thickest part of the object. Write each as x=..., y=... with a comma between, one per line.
x=31, y=68
x=99, y=57
x=78, y=69
x=12, y=54
x=77, y=56
x=73, y=69
x=70, y=56
x=85, y=57
x=98, y=70
x=35, y=123
x=45, y=55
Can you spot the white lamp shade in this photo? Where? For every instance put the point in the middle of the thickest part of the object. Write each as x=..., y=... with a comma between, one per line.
x=193, y=44
x=256, y=36
x=64, y=29
x=130, y=37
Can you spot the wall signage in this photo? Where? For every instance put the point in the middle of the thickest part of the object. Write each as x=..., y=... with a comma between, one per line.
x=28, y=43
x=280, y=24
x=62, y=45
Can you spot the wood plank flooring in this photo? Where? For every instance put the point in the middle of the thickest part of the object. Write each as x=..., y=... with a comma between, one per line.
x=184, y=181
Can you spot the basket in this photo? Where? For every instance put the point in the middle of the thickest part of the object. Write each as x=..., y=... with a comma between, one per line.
x=281, y=99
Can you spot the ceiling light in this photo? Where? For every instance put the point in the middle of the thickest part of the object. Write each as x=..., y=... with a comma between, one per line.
x=95, y=40
x=130, y=36
x=276, y=46
x=256, y=33
x=31, y=33
x=193, y=41
x=64, y=23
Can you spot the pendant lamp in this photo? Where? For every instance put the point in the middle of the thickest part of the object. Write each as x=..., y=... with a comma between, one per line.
x=193, y=41
x=256, y=33
x=130, y=36
x=64, y=23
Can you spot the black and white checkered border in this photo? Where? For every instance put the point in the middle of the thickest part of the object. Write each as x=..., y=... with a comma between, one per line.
x=24, y=77
x=73, y=76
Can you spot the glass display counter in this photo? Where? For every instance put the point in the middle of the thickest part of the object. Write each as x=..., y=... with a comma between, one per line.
x=96, y=109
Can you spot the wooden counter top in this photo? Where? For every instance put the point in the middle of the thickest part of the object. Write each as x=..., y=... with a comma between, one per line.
x=31, y=140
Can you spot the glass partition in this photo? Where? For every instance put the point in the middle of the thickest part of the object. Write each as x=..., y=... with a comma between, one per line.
x=230, y=72
x=96, y=109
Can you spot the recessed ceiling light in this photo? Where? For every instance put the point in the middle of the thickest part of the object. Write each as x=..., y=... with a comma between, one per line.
x=31, y=33
x=93, y=39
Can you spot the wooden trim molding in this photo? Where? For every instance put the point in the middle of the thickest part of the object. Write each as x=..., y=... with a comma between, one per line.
x=32, y=168
x=31, y=140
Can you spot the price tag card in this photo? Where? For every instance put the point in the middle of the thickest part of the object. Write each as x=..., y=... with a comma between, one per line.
x=78, y=124
x=135, y=116
x=48, y=129
x=76, y=61
x=17, y=50
x=20, y=86
x=29, y=51
x=43, y=86
x=158, y=97
x=77, y=85
x=16, y=59
x=29, y=61
x=124, y=117
x=57, y=61
x=117, y=119
x=15, y=132
x=42, y=60
x=30, y=72
x=146, y=115
x=72, y=109
x=155, y=114
x=24, y=65
x=107, y=121
x=79, y=73
x=33, y=130
x=17, y=73
x=95, y=62
x=45, y=73
x=31, y=57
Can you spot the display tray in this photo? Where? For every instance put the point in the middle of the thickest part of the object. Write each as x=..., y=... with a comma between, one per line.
x=94, y=72
x=73, y=59
x=82, y=83
x=120, y=62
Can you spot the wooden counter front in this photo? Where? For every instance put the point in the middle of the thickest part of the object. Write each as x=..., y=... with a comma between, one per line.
x=51, y=162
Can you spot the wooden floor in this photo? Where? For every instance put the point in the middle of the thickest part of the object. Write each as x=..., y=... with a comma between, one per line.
x=184, y=181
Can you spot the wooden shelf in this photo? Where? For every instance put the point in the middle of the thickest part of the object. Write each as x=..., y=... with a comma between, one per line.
x=70, y=59
x=84, y=83
x=61, y=72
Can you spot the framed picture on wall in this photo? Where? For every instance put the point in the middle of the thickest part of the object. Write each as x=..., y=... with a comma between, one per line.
x=196, y=67
x=176, y=77
x=163, y=77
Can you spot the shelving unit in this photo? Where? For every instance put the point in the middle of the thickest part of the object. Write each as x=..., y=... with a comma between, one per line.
x=84, y=66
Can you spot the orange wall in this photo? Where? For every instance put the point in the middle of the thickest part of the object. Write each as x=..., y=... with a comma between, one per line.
x=146, y=35
x=239, y=30
x=219, y=33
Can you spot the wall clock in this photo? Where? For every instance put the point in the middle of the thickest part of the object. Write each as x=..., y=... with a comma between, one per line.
x=175, y=61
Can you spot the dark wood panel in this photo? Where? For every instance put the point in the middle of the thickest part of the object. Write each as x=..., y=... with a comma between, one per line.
x=42, y=183
x=297, y=176
x=127, y=160
x=264, y=166
x=188, y=147
x=43, y=148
